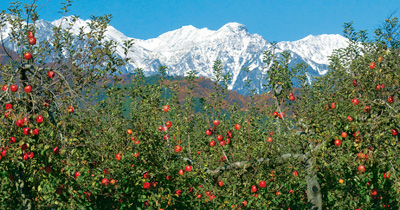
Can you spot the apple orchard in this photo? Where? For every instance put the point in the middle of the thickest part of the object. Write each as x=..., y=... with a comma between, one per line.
x=67, y=142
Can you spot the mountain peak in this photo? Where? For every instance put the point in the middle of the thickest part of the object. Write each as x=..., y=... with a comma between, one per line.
x=322, y=37
x=233, y=27
x=68, y=19
x=189, y=27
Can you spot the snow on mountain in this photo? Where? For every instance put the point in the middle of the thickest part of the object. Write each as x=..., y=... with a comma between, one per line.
x=189, y=48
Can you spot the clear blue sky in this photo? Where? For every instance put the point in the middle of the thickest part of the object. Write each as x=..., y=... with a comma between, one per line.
x=279, y=20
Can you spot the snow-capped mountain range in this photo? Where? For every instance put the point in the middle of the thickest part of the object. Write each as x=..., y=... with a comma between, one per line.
x=190, y=48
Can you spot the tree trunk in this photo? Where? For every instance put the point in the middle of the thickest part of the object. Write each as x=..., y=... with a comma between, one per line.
x=22, y=188
x=313, y=188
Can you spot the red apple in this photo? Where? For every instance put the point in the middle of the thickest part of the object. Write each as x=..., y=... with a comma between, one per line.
x=295, y=173
x=344, y=134
x=391, y=99
x=35, y=131
x=212, y=143
x=4, y=88
x=208, y=132
x=275, y=114
x=229, y=133
x=269, y=139
x=13, y=140
x=9, y=106
x=355, y=101
x=105, y=181
x=25, y=156
x=374, y=192
x=56, y=150
x=356, y=135
x=14, y=88
x=361, y=168
x=118, y=156
x=7, y=114
x=337, y=142
x=216, y=122
x=263, y=184
x=27, y=56
x=292, y=98
x=219, y=137
x=3, y=152
x=146, y=185
x=31, y=155
x=181, y=172
x=39, y=119
x=367, y=109
x=178, y=148
x=168, y=124
x=372, y=65
x=32, y=41
x=188, y=168
x=244, y=203
x=333, y=105
x=31, y=34
x=395, y=132
x=24, y=147
x=377, y=87
x=28, y=89
x=166, y=108
x=146, y=175
x=51, y=74
x=47, y=169
x=254, y=189
x=223, y=158
x=71, y=109
x=220, y=183
x=237, y=126
x=26, y=131
x=386, y=175
x=77, y=174
x=168, y=177
x=19, y=123
x=354, y=83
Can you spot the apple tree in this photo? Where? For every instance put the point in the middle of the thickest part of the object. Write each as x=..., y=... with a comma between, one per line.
x=350, y=118
x=50, y=130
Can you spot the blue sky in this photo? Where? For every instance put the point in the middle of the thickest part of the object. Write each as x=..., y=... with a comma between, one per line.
x=285, y=20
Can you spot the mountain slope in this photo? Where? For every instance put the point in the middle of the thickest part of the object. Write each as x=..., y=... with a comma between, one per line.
x=190, y=48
